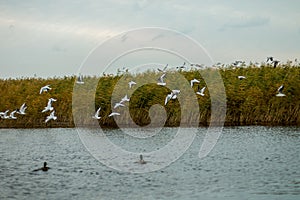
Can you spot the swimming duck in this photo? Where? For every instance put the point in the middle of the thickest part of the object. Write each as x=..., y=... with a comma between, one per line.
x=45, y=168
x=142, y=160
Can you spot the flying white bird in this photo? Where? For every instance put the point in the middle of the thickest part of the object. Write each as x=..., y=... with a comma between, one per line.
x=161, y=80
x=163, y=70
x=49, y=105
x=113, y=114
x=194, y=81
x=96, y=116
x=198, y=65
x=172, y=95
x=119, y=105
x=80, y=79
x=168, y=97
x=51, y=99
x=51, y=116
x=3, y=115
x=46, y=88
x=181, y=67
x=123, y=70
x=237, y=63
x=131, y=83
x=280, y=89
x=22, y=109
x=241, y=77
x=200, y=92
x=125, y=98
x=12, y=115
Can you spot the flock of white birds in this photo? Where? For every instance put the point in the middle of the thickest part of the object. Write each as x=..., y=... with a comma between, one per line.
x=161, y=82
x=22, y=109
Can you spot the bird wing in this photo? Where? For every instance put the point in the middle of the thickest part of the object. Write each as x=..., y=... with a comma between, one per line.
x=280, y=88
x=166, y=67
x=41, y=90
x=202, y=90
x=168, y=97
x=52, y=113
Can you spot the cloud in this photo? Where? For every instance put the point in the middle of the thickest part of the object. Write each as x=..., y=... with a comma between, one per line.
x=246, y=22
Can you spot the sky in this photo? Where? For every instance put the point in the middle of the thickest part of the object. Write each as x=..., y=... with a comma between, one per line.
x=53, y=38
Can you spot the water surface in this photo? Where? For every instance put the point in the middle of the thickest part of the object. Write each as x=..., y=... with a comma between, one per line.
x=246, y=163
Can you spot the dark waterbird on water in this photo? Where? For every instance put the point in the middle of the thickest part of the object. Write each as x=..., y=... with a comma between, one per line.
x=45, y=168
x=142, y=161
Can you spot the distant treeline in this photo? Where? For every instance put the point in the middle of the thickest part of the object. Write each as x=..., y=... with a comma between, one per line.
x=251, y=101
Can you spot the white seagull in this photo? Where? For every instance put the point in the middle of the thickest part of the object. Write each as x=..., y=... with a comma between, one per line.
x=119, y=105
x=51, y=116
x=280, y=94
x=113, y=114
x=168, y=97
x=96, y=116
x=80, y=79
x=131, y=83
x=241, y=77
x=22, y=109
x=125, y=98
x=12, y=115
x=163, y=70
x=49, y=105
x=161, y=80
x=181, y=67
x=4, y=114
x=194, y=81
x=172, y=95
x=46, y=88
x=200, y=92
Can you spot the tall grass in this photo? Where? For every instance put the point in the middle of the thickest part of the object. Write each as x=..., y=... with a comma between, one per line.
x=251, y=101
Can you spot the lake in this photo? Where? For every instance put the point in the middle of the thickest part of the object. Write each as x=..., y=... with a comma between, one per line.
x=252, y=162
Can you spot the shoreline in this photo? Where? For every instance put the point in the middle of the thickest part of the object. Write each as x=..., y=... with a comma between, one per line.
x=124, y=126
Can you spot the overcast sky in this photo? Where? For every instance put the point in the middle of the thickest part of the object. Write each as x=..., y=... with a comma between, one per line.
x=49, y=38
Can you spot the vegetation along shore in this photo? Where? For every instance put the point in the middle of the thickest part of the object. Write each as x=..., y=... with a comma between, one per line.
x=251, y=98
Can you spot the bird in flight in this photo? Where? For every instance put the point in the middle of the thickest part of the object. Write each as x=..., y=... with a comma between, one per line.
x=4, y=114
x=194, y=81
x=161, y=80
x=96, y=116
x=163, y=70
x=51, y=116
x=181, y=67
x=113, y=114
x=80, y=79
x=12, y=115
x=45, y=88
x=22, y=109
x=241, y=77
x=172, y=95
x=118, y=105
x=200, y=91
x=49, y=105
x=131, y=83
x=280, y=93
x=125, y=98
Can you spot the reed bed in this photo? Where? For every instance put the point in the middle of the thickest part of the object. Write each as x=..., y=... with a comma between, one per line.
x=251, y=101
